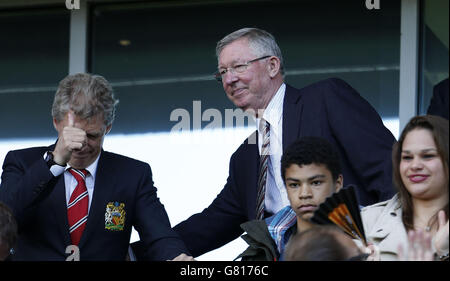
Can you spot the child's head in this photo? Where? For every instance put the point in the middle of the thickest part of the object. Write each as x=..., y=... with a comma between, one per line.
x=311, y=150
x=311, y=172
x=322, y=243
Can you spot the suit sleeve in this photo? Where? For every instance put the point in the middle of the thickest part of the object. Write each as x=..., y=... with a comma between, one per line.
x=219, y=223
x=360, y=133
x=23, y=186
x=159, y=240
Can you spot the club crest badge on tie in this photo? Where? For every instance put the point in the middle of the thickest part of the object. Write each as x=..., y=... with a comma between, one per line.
x=115, y=216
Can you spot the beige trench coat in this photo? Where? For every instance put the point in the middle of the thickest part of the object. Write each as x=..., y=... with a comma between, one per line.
x=384, y=228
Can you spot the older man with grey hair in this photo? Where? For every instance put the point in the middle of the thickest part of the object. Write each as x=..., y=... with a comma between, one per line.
x=251, y=72
x=73, y=200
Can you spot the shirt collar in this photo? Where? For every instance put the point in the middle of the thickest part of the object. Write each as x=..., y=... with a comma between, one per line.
x=274, y=110
x=92, y=169
x=279, y=224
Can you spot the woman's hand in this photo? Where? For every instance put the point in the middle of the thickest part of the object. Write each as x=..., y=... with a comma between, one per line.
x=419, y=247
x=441, y=237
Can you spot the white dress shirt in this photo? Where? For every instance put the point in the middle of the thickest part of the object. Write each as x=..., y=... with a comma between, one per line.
x=71, y=182
x=276, y=195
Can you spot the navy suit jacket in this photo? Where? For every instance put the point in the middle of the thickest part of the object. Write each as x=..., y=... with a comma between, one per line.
x=330, y=109
x=38, y=201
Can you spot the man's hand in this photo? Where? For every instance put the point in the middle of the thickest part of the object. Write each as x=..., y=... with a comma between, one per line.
x=70, y=139
x=183, y=257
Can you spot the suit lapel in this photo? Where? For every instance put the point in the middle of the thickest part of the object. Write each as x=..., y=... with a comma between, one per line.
x=60, y=208
x=253, y=155
x=388, y=230
x=292, y=111
x=59, y=204
x=104, y=181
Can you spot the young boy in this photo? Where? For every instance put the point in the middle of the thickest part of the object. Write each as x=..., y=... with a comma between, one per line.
x=311, y=172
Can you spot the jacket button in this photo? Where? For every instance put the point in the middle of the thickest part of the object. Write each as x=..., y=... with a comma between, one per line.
x=393, y=214
x=379, y=230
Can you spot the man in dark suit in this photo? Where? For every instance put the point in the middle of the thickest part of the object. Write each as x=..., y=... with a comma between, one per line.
x=439, y=102
x=73, y=193
x=250, y=67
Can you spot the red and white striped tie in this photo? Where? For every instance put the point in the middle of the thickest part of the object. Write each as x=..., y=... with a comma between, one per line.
x=77, y=209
